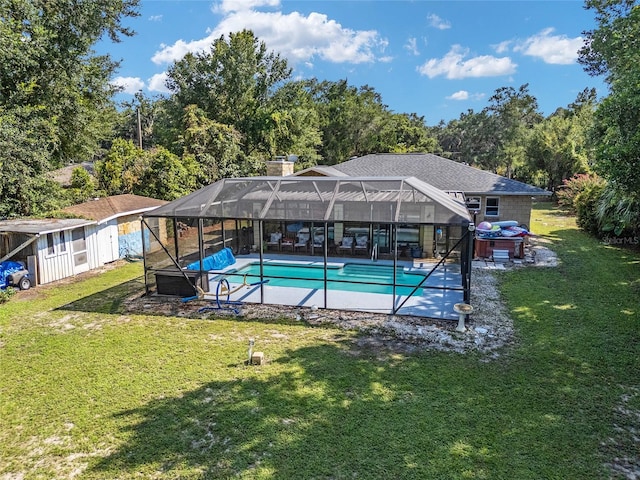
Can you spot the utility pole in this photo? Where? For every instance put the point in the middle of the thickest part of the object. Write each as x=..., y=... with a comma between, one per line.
x=139, y=129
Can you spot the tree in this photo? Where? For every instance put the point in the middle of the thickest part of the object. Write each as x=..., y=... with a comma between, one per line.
x=214, y=146
x=55, y=96
x=295, y=124
x=122, y=168
x=232, y=84
x=168, y=176
x=354, y=121
x=25, y=144
x=510, y=116
x=83, y=186
x=136, y=120
x=409, y=133
x=613, y=50
x=558, y=146
x=47, y=63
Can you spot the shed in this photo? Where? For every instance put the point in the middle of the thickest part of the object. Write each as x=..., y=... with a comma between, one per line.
x=52, y=249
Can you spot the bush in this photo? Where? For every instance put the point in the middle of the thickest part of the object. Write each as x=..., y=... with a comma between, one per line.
x=619, y=212
x=6, y=294
x=574, y=186
x=586, y=207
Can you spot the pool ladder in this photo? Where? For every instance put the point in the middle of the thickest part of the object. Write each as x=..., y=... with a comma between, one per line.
x=374, y=253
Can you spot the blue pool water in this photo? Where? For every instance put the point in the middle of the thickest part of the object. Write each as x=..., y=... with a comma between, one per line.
x=353, y=277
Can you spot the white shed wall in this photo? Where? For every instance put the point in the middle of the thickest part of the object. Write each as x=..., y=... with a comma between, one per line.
x=53, y=267
x=60, y=264
x=94, y=246
x=108, y=242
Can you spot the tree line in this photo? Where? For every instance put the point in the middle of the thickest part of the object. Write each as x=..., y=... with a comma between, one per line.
x=235, y=105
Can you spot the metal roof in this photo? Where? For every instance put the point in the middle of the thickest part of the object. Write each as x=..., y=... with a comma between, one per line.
x=438, y=171
x=34, y=226
x=330, y=199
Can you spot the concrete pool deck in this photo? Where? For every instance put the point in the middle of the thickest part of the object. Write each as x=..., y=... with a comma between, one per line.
x=435, y=302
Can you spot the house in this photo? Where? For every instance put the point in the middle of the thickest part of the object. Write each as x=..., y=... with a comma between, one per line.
x=53, y=248
x=488, y=196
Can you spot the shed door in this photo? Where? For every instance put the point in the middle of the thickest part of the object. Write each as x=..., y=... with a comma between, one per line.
x=79, y=250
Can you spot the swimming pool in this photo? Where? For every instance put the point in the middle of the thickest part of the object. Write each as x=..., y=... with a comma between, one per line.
x=354, y=277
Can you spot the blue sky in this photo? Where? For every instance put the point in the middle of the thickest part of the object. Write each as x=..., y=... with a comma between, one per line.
x=434, y=58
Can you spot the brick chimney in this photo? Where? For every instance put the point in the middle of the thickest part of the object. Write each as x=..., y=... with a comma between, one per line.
x=280, y=167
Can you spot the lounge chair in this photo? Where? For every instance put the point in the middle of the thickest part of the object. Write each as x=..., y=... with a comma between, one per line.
x=302, y=241
x=346, y=245
x=274, y=240
x=362, y=245
x=318, y=243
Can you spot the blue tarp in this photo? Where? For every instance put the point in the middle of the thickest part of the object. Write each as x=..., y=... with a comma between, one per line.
x=217, y=261
x=6, y=269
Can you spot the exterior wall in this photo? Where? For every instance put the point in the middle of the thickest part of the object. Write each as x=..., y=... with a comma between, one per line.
x=129, y=236
x=93, y=246
x=511, y=207
x=516, y=208
x=59, y=265
x=108, y=241
x=53, y=267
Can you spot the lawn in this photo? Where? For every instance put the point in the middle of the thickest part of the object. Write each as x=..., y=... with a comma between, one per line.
x=88, y=391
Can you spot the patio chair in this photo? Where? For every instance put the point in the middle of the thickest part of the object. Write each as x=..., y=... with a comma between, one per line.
x=274, y=240
x=302, y=241
x=346, y=245
x=362, y=245
x=318, y=243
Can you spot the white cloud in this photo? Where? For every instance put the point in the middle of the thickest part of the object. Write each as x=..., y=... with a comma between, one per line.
x=554, y=49
x=459, y=95
x=454, y=66
x=464, y=95
x=157, y=83
x=412, y=46
x=129, y=85
x=296, y=37
x=437, y=22
x=155, y=18
x=502, y=47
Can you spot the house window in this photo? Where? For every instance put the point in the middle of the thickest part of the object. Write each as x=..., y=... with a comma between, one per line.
x=493, y=207
x=51, y=246
x=474, y=203
x=63, y=243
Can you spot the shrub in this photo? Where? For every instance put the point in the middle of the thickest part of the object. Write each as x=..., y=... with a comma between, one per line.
x=6, y=294
x=586, y=208
x=572, y=187
x=618, y=211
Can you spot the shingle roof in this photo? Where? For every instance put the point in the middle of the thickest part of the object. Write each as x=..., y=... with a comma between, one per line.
x=106, y=208
x=438, y=171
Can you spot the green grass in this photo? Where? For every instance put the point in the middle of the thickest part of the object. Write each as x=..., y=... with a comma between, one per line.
x=87, y=391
